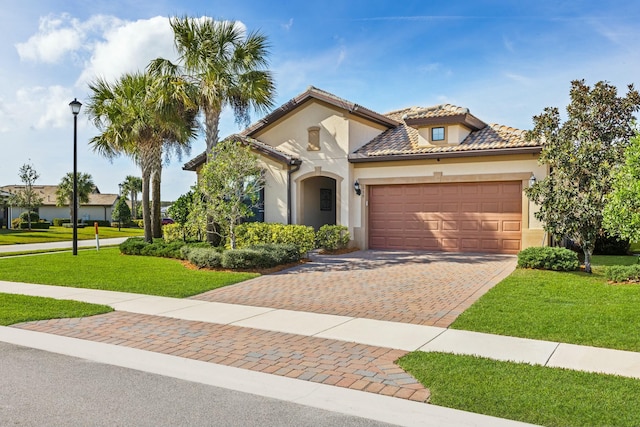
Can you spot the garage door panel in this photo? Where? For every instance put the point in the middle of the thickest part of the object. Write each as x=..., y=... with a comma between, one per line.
x=446, y=217
x=469, y=225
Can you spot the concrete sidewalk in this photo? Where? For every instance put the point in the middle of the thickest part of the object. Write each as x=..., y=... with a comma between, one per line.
x=379, y=333
x=60, y=245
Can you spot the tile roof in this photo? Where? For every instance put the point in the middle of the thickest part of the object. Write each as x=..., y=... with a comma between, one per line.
x=402, y=141
x=320, y=95
x=269, y=151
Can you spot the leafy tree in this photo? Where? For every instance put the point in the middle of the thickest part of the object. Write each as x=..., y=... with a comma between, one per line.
x=141, y=116
x=622, y=212
x=231, y=184
x=64, y=192
x=580, y=154
x=26, y=197
x=121, y=212
x=133, y=186
x=180, y=209
x=227, y=67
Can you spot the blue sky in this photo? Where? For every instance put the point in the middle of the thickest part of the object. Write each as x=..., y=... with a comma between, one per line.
x=504, y=60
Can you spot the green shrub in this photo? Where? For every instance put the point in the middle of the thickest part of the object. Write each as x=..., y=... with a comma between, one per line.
x=35, y=225
x=548, y=258
x=139, y=223
x=623, y=273
x=24, y=216
x=57, y=222
x=160, y=248
x=202, y=257
x=332, y=237
x=133, y=246
x=280, y=253
x=258, y=233
x=246, y=259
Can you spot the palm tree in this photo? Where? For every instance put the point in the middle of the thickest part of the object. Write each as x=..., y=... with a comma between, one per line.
x=138, y=115
x=64, y=193
x=227, y=66
x=133, y=186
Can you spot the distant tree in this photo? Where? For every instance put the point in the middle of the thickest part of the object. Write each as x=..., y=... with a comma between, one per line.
x=26, y=197
x=121, y=212
x=64, y=192
x=133, y=186
x=231, y=184
x=180, y=209
x=581, y=154
x=621, y=215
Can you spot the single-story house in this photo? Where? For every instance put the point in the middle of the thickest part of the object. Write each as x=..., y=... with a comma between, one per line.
x=434, y=178
x=99, y=207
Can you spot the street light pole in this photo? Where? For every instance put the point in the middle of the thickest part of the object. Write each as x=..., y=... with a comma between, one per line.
x=75, y=109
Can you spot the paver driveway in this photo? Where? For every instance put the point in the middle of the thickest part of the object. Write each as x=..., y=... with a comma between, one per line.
x=425, y=288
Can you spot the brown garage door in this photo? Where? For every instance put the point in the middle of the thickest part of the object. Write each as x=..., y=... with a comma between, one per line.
x=466, y=217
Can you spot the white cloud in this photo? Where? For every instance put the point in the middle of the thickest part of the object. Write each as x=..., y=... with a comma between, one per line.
x=48, y=107
x=518, y=78
x=128, y=48
x=288, y=25
x=55, y=37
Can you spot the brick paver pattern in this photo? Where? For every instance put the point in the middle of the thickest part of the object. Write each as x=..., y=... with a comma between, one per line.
x=326, y=361
x=424, y=288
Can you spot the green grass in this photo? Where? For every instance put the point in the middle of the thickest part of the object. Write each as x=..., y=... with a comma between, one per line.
x=109, y=270
x=571, y=307
x=22, y=308
x=534, y=394
x=59, y=234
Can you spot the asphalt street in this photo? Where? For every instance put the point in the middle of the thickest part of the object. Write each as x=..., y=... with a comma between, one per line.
x=39, y=388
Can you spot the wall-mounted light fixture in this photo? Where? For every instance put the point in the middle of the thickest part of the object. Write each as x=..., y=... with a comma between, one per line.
x=532, y=180
x=356, y=187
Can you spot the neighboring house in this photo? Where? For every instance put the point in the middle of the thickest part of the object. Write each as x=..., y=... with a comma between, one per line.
x=99, y=207
x=4, y=207
x=435, y=178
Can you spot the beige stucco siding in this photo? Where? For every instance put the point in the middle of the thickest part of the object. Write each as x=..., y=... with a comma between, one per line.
x=338, y=134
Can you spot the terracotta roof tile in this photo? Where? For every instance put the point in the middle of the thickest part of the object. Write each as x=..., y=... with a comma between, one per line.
x=403, y=140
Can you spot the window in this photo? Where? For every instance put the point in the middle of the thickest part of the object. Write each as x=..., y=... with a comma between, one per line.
x=437, y=134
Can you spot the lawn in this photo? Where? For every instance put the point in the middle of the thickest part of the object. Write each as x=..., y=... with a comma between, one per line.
x=109, y=270
x=22, y=308
x=533, y=394
x=58, y=234
x=571, y=307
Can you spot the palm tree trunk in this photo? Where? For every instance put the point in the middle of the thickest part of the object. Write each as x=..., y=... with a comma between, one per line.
x=212, y=117
x=134, y=215
x=146, y=166
x=156, y=221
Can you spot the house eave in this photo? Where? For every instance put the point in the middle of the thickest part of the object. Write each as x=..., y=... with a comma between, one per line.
x=362, y=158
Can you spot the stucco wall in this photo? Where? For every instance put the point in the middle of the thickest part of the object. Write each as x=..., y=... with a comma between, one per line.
x=339, y=134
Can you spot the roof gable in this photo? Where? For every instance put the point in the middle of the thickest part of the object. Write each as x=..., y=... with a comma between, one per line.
x=313, y=93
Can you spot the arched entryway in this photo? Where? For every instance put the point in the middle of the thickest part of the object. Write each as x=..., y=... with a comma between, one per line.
x=318, y=201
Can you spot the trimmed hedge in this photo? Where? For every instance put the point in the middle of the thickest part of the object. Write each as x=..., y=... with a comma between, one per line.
x=35, y=225
x=548, y=258
x=257, y=233
x=623, y=273
x=202, y=257
x=332, y=237
x=57, y=222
